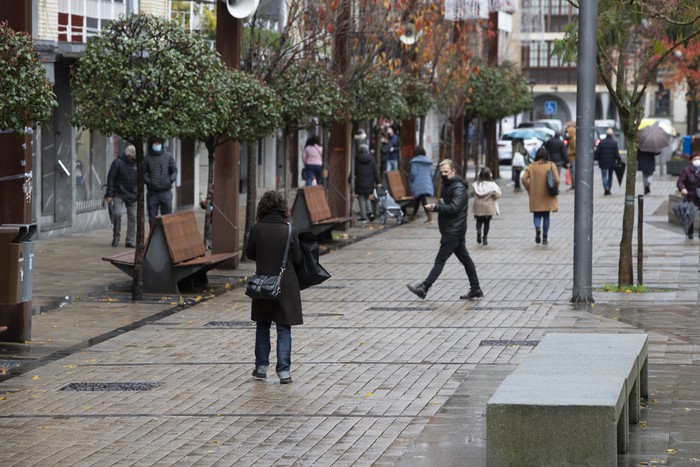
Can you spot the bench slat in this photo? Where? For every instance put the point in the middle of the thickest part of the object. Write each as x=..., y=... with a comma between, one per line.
x=316, y=203
x=182, y=236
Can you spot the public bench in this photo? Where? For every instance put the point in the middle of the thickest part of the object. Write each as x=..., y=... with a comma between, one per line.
x=311, y=213
x=398, y=189
x=175, y=255
x=569, y=402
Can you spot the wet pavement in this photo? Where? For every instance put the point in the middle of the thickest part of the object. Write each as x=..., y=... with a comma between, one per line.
x=380, y=377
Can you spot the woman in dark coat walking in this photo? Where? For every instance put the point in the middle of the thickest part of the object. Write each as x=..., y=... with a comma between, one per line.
x=689, y=184
x=608, y=156
x=366, y=178
x=646, y=164
x=266, y=244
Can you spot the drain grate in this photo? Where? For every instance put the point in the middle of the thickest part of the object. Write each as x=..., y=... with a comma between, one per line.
x=329, y=286
x=229, y=324
x=9, y=364
x=399, y=308
x=110, y=386
x=504, y=343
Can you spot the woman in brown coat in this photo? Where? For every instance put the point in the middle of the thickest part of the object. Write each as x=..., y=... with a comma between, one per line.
x=541, y=202
x=266, y=243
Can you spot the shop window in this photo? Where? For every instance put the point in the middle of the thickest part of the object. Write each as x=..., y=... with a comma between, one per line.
x=663, y=101
x=90, y=169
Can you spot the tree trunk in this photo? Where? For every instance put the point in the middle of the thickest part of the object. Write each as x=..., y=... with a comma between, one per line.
x=211, y=148
x=251, y=191
x=625, y=274
x=137, y=281
x=491, y=149
x=421, y=131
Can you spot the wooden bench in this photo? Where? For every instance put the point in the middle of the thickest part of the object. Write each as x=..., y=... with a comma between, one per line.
x=311, y=213
x=175, y=255
x=398, y=189
x=569, y=402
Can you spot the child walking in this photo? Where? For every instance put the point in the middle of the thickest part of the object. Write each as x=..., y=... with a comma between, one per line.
x=485, y=192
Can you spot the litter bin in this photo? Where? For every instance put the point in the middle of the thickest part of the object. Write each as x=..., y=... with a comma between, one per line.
x=686, y=144
x=17, y=252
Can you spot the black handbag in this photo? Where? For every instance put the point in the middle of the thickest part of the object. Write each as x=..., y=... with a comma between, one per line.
x=269, y=287
x=310, y=272
x=552, y=187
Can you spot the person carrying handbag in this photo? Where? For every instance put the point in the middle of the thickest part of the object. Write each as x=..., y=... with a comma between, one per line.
x=541, y=202
x=266, y=246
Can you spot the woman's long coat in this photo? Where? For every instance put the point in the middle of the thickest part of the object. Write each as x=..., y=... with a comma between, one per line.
x=266, y=246
x=535, y=182
x=421, y=176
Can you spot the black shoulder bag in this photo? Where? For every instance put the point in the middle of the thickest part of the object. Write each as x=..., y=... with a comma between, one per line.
x=269, y=287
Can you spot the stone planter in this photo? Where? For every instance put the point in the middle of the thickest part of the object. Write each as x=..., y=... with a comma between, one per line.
x=674, y=167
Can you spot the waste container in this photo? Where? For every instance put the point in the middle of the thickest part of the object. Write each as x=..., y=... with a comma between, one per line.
x=686, y=144
x=17, y=252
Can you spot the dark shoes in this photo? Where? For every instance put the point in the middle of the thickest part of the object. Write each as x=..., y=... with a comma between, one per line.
x=486, y=242
x=259, y=375
x=419, y=289
x=478, y=237
x=115, y=241
x=607, y=192
x=647, y=190
x=690, y=236
x=286, y=380
x=472, y=294
x=537, y=236
x=130, y=245
x=544, y=240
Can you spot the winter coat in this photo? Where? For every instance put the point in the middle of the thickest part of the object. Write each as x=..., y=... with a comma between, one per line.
x=690, y=180
x=394, y=149
x=161, y=171
x=535, y=182
x=121, y=180
x=384, y=149
x=485, y=196
x=266, y=244
x=557, y=151
x=571, y=144
x=647, y=161
x=452, y=210
x=421, y=176
x=607, y=153
x=366, y=175
x=313, y=155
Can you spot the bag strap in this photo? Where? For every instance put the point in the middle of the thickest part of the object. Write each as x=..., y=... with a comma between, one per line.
x=286, y=247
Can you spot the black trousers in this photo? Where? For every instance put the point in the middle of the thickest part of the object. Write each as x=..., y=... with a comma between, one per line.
x=456, y=244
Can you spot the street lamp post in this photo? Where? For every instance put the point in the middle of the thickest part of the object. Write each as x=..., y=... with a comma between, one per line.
x=532, y=96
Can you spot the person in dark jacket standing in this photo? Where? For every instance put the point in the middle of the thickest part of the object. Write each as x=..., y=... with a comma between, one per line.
x=421, y=181
x=452, y=222
x=366, y=178
x=689, y=184
x=557, y=153
x=608, y=156
x=647, y=164
x=122, y=193
x=266, y=244
x=160, y=174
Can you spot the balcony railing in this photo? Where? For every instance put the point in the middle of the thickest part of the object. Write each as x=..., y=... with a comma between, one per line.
x=78, y=20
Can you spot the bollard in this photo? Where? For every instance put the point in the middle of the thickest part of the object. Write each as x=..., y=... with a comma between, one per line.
x=640, y=239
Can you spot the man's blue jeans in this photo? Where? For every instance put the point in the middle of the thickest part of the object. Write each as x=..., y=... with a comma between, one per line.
x=284, y=347
x=607, y=178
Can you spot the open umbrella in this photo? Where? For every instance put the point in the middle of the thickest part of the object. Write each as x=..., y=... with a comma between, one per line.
x=653, y=139
x=686, y=212
x=620, y=171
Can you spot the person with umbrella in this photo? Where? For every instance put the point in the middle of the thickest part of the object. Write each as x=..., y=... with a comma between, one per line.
x=689, y=186
x=608, y=156
x=650, y=141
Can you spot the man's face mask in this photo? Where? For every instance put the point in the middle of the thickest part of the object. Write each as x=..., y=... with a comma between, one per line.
x=157, y=147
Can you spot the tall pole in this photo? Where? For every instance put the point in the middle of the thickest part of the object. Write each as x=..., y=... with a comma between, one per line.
x=585, y=109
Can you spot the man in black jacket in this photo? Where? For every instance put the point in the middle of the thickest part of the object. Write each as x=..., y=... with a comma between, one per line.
x=160, y=174
x=122, y=192
x=557, y=153
x=452, y=221
x=608, y=156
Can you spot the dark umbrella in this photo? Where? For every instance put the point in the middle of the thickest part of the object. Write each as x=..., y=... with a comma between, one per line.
x=653, y=139
x=686, y=212
x=620, y=171
x=110, y=210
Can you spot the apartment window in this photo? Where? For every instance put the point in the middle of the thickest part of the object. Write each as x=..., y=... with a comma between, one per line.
x=80, y=19
x=663, y=101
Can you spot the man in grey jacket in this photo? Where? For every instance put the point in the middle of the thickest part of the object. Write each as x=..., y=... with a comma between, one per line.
x=160, y=174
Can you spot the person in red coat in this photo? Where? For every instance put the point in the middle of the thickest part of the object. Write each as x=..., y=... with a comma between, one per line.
x=266, y=244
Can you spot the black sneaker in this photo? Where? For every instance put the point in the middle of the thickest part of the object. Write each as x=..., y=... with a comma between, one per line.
x=537, y=236
x=418, y=289
x=115, y=241
x=130, y=245
x=259, y=375
x=472, y=294
x=286, y=380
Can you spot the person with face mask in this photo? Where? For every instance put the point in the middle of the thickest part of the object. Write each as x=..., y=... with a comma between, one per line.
x=160, y=174
x=452, y=222
x=122, y=192
x=689, y=184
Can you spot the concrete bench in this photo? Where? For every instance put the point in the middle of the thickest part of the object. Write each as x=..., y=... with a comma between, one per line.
x=175, y=255
x=569, y=402
x=311, y=213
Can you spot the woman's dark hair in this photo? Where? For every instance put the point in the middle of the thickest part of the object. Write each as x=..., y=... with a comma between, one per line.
x=419, y=151
x=313, y=139
x=542, y=154
x=485, y=175
x=270, y=202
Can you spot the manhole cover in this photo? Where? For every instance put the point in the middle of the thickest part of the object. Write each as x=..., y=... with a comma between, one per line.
x=110, y=386
x=229, y=324
x=504, y=343
x=399, y=308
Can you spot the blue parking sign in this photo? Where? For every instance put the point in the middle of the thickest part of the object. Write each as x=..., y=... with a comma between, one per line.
x=550, y=107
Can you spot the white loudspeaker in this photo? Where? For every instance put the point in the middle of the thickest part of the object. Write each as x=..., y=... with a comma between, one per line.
x=410, y=36
x=241, y=9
